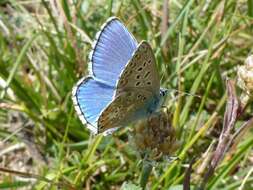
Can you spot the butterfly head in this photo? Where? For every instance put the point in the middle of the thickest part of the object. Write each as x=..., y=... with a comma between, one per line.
x=163, y=94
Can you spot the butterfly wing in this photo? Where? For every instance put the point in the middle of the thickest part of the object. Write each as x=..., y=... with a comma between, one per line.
x=90, y=97
x=124, y=109
x=137, y=91
x=140, y=72
x=112, y=49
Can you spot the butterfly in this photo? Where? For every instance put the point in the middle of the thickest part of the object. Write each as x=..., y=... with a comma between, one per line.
x=123, y=84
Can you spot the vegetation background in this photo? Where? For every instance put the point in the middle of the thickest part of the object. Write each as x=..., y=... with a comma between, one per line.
x=44, y=46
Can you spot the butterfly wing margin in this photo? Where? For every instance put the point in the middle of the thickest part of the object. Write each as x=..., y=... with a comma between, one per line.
x=85, y=96
x=112, y=49
x=140, y=71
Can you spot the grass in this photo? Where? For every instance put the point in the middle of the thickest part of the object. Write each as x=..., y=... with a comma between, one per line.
x=44, y=48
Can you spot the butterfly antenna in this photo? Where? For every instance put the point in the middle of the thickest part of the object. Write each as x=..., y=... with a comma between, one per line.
x=186, y=93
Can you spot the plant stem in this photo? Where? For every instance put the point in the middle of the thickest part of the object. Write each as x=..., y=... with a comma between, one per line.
x=146, y=170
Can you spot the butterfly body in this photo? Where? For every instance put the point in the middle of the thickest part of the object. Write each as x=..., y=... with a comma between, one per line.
x=123, y=85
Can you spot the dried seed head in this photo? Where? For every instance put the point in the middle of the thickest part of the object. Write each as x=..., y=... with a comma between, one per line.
x=245, y=76
x=245, y=79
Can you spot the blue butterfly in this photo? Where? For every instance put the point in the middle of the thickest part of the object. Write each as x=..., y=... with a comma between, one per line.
x=123, y=85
